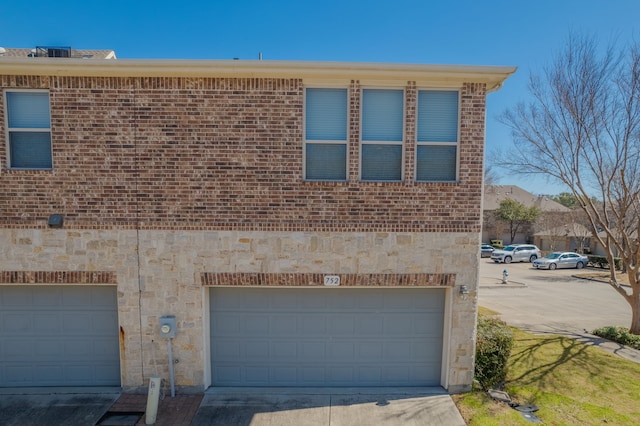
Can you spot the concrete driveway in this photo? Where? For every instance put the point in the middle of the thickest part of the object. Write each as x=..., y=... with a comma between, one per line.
x=327, y=406
x=542, y=301
x=233, y=406
x=55, y=406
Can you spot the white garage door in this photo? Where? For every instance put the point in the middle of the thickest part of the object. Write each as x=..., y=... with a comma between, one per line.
x=326, y=337
x=59, y=336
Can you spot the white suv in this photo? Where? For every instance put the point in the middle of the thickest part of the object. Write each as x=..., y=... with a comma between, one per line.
x=516, y=253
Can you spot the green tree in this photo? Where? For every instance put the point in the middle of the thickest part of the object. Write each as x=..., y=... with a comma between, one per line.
x=516, y=215
x=567, y=199
x=581, y=128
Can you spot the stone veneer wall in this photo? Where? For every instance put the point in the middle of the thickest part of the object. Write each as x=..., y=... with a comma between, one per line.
x=166, y=278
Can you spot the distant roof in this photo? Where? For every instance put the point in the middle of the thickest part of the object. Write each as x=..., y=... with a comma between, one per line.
x=494, y=194
x=11, y=52
x=570, y=230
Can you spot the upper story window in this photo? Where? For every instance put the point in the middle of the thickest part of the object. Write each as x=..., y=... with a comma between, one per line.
x=382, y=134
x=28, y=130
x=325, y=147
x=437, y=136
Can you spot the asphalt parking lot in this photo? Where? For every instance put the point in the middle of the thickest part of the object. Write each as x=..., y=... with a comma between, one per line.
x=550, y=301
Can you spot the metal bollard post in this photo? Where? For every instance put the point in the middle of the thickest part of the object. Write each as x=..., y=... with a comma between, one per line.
x=505, y=277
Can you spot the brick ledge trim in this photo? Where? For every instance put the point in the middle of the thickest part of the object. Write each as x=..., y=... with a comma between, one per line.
x=58, y=277
x=265, y=227
x=212, y=279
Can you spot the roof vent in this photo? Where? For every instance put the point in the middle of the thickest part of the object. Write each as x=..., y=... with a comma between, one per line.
x=52, y=52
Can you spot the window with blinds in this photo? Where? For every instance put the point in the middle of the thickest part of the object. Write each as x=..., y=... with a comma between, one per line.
x=382, y=135
x=29, y=129
x=437, y=136
x=325, y=147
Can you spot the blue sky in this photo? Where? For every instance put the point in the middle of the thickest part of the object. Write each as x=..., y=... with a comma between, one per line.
x=489, y=32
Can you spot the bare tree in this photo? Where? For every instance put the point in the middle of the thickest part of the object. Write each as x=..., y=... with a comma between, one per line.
x=582, y=128
x=490, y=176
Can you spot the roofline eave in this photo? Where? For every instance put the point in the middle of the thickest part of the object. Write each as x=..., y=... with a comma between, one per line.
x=492, y=76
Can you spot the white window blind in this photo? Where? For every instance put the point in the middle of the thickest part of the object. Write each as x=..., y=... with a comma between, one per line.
x=28, y=123
x=382, y=134
x=325, y=148
x=437, y=135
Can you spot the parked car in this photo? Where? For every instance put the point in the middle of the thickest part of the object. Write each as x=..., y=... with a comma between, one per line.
x=516, y=253
x=486, y=250
x=559, y=259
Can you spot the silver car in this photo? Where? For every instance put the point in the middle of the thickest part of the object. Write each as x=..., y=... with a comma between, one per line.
x=516, y=253
x=559, y=259
x=486, y=250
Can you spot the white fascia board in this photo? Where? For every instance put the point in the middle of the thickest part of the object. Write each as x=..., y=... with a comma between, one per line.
x=493, y=76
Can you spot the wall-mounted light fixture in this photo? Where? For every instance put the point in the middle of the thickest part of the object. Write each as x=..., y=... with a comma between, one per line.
x=56, y=221
x=464, y=291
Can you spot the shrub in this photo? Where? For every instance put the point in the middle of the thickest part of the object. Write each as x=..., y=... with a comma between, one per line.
x=493, y=347
x=619, y=335
x=602, y=262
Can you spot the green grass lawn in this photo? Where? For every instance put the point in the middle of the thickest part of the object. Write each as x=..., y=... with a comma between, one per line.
x=571, y=383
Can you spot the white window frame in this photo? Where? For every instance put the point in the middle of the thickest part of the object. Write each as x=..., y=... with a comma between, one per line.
x=306, y=142
x=435, y=143
x=10, y=130
x=404, y=131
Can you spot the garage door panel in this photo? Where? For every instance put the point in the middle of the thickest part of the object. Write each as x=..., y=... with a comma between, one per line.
x=16, y=323
x=313, y=324
x=19, y=374
x=257, y=325
x=50, y=348
x=369, y=375
x=371, y=301
x=284, y=375
x=284, y=350
x=312, y=375
x=226, y=349
x=228, y=374
x=346, y=301
x=370, y=351
x=59, y=336
x=46, y=322
x=342, y=324
x=17, y=349
x=370, y=325
x=326, y=337
x=256, y=350
x=340, y=351
x=434, y=303
x=257, y=374
x=227, y=325
x=47, y=297
x=428, y=328
x=104, y=349
x=398, y=325
x=13, y=297
x=313, y=351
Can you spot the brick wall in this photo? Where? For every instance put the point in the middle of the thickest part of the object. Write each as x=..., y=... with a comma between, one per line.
x=220, y=153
